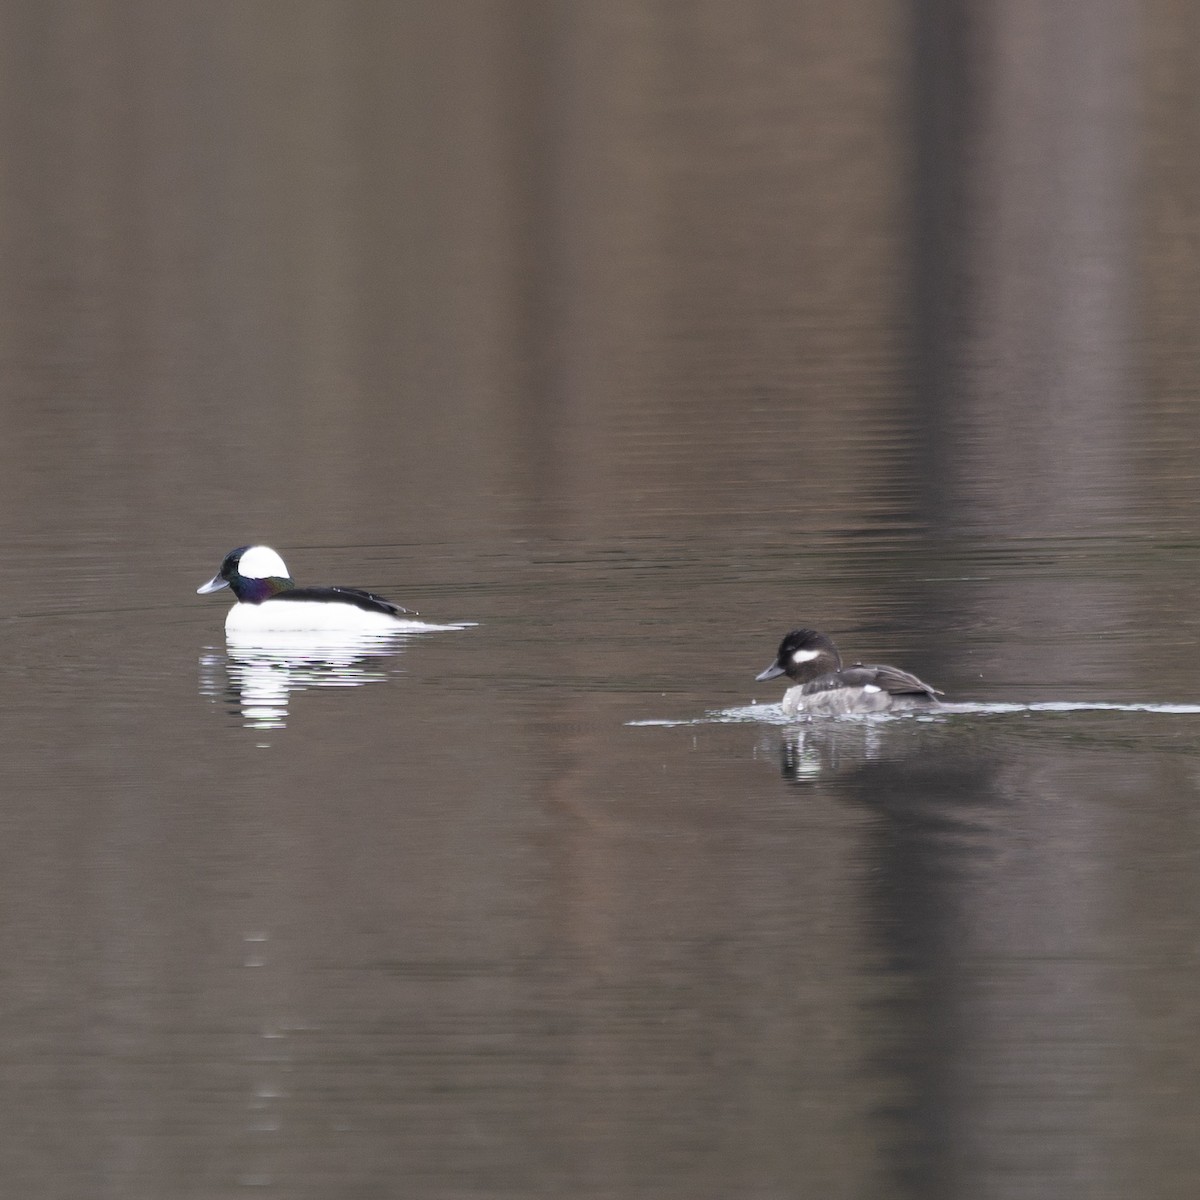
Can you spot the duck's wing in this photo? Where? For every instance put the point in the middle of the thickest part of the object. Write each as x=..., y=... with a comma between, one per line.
x=346, y=595
x=891, y=679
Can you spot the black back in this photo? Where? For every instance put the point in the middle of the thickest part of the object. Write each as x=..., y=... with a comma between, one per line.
x=365, y=600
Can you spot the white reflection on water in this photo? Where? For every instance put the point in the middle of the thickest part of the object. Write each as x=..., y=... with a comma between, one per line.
x=259, y=672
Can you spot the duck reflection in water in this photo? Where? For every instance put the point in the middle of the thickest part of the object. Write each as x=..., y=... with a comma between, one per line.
x=813, y=752
x=262, y=671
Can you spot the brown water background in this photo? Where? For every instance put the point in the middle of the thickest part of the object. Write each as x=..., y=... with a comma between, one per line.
x=635, y=333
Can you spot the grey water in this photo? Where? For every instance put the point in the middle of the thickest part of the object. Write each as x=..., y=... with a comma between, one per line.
x=616, y=340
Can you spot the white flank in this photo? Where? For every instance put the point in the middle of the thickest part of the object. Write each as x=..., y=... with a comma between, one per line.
x=261, y=562
x=284, y=616
x=871, y=687
x=801, y=656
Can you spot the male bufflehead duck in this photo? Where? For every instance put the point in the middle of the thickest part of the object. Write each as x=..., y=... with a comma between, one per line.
x=826, y=688
x=268, y=600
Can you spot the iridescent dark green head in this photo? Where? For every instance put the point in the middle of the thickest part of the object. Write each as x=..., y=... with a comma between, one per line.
x=254, y=573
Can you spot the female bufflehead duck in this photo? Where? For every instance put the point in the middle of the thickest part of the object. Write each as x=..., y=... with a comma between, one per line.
x=268, y=600
x=826, y=688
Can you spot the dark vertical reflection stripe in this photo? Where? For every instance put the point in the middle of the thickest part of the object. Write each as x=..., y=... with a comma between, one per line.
x=1022, y=297
x=945, y=79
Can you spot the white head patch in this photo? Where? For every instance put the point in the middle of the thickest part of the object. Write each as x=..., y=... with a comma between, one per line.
x=261, y=562
x=800, y=656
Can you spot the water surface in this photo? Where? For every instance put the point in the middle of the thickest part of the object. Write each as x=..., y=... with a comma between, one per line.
x=618, y=339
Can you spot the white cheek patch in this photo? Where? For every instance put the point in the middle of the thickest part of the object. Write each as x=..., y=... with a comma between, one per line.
x=803, y=656
x=261, y=562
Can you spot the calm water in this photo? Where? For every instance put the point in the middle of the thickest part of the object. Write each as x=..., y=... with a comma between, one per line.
x=619, y=339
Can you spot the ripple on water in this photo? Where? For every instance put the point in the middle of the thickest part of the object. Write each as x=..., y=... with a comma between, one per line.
x=773, y=714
